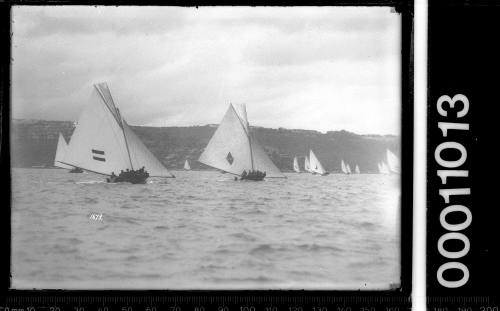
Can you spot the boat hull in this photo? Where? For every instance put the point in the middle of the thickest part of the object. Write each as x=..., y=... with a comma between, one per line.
x=133, y=177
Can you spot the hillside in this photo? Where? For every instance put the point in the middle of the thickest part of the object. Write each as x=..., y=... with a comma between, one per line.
x=33, y=143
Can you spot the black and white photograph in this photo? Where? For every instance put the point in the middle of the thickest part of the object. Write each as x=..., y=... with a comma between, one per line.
x=206, y=148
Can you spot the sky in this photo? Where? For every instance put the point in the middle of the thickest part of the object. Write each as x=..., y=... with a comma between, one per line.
x=317, y=68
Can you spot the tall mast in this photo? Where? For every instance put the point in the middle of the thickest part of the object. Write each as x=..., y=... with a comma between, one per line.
x=125, y=137
x=248, y=134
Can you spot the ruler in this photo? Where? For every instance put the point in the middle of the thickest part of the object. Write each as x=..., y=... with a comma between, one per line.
x=203, y=301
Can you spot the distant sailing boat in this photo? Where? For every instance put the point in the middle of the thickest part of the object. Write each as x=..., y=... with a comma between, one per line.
x=348, y=168
x=357, y=169
x=104, y=143
x=233, y=149
x=296, y=167
x=62, y=147
x=187, y=167
x=394, y=165
x=307, y=167
x=382, y=168
x=344, y=167
x=315, y=165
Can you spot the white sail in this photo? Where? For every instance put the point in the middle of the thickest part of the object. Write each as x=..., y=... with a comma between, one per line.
x=348, y=168
x=62, y=146
x=393, y=162
x=296, y=167
x=187, y=167
x=343, y=167
x=103, y=142
x=385, y=168
x=357, y=169
x=382, y=168
x=141, y=156
x=234, y=150
x=315, y=165
x=307, y=166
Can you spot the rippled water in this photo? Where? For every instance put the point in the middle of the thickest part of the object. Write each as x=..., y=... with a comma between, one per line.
x=204, y=230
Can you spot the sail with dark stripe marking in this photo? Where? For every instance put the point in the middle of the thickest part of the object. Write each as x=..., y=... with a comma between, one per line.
x=103, y=142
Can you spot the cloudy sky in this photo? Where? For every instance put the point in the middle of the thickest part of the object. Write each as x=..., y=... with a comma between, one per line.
x=308, y=68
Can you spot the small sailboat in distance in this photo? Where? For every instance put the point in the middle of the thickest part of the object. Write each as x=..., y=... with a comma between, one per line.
x=307, y=167
x=356, y=170
x=343, y=167
x=348, y=168
x=315, y=165
x=187, y=167
x=382, y=168
x=233, y=149
x=393, y=163
x=296, y=167
x=105, y=144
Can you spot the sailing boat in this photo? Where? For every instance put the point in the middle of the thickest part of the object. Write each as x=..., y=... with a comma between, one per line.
x=104, y=143
x=296, y=167
x=393, y=162
x=348, y=168
x=344, y=168
x=233, y=149
x=382, y=168
x=187, y=167
x=307, y=167
x=315, y=165
x=62, y=146
x=357, y=169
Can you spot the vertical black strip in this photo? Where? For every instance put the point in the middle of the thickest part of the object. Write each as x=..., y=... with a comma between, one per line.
x=464, y=58
x=406, y=10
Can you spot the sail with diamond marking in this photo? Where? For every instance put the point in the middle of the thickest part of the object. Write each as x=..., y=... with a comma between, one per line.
x=234, y=149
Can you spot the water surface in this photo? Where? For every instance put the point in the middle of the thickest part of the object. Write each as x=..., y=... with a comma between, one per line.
x=202, y=230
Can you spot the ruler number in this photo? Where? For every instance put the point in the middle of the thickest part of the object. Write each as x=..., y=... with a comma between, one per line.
x=271, y=308
x=295, y=309
x=175, y=308
x=100, y=309
x=127, y=308
x=489, y=308
x=30, y=309
x=200, y=308
x=150, y=308
x=55, y=309
x=223, y=308
x=321, y=309
x=247, y=308
x=79, y=308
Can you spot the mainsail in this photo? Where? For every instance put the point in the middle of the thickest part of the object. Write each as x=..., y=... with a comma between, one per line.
x=187, y=167
x=348, y=168
x=393, y=162
x=233, y=148
x=296, y=167
x=104, y=143
x=343, y=167
x=62, y=146
x=357, y=169
x=315, y=165
x=307, y=167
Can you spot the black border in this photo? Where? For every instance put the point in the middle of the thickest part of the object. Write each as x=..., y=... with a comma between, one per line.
x=398, y=297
